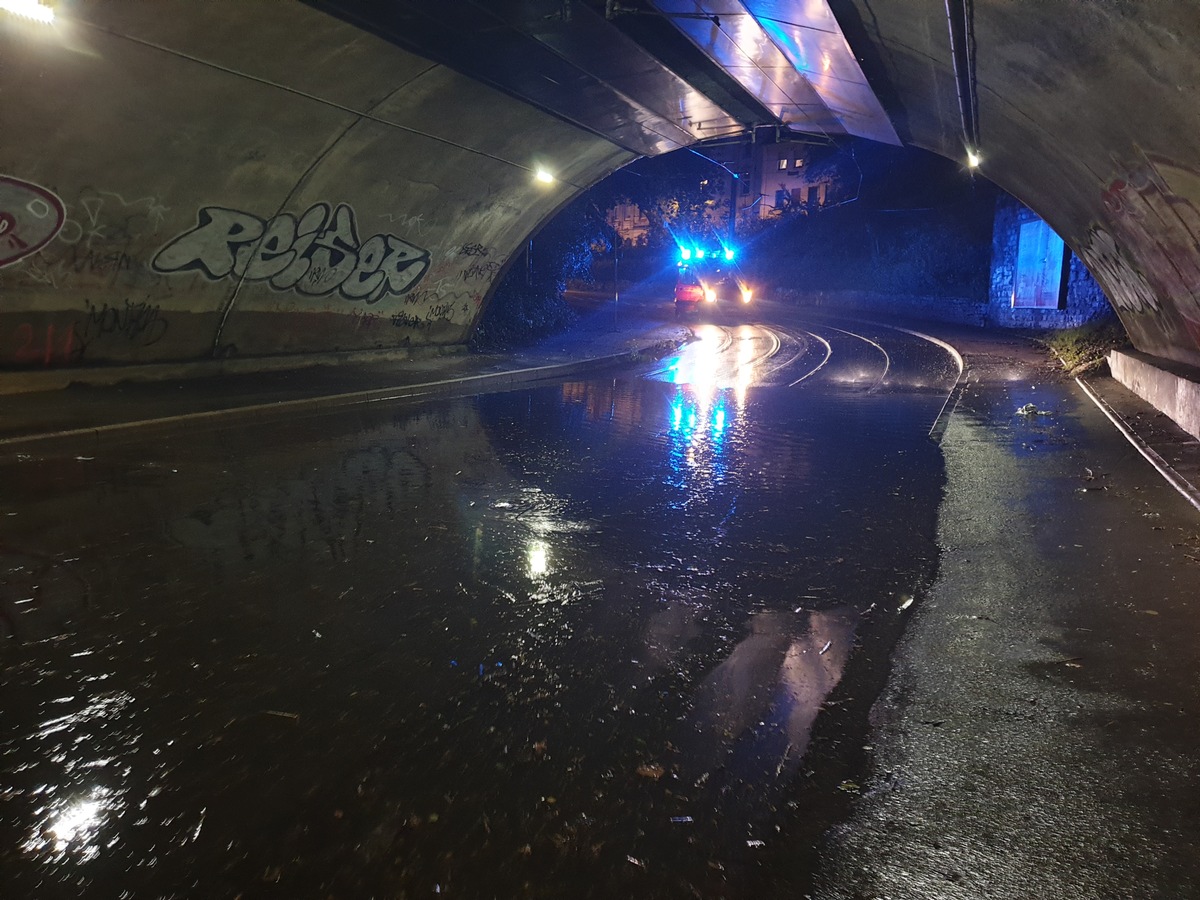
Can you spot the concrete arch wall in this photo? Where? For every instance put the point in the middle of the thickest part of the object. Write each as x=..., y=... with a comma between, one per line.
x=1088, y=114
x=184, y=180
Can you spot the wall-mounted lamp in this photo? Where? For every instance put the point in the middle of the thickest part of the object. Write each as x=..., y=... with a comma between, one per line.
x=973, y=159
x=29, y=9
x=543, y=176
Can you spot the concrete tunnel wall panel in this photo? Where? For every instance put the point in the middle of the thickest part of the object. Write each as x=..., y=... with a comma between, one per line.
x=468, y=211
x=278, y=41
x=170, y=170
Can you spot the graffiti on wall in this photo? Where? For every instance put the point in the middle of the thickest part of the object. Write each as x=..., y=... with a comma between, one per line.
x=97, y=244
x=1129, y=290
x=30, y=217
x=141, y=322
x=137, y=323
x=1152, y=217
x=47, y=346
x=316, y=254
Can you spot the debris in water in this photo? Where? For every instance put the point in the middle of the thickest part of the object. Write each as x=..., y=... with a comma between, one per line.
x=905, y=602
x=682, y=820
x=1030, y=409
x=828, y=644
x=653, y=770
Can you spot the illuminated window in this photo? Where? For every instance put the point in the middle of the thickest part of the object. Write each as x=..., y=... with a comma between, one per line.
x=783, y=164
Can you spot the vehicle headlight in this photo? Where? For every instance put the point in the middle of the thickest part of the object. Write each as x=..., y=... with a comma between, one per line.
x=747, y=295
x=710, y=295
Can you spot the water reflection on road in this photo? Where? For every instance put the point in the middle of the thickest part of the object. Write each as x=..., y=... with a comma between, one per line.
x=564, y=641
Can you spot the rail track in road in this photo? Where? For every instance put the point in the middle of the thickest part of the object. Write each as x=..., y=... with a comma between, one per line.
x=795, y=352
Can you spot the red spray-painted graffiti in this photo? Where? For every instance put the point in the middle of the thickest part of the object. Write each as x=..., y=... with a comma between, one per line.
x=47, y=348
x=30, y=217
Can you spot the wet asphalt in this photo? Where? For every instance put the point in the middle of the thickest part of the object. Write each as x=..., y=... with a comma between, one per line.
x=629, y=632
x=1037, y=735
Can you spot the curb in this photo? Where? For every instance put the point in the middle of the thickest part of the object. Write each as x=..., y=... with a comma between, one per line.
x=29, y=382
x=1165, y=469
x=494, y=380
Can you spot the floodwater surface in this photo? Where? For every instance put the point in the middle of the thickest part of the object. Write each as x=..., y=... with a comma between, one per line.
x=564, y=641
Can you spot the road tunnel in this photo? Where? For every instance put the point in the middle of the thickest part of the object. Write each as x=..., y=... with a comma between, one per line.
x=195, y=181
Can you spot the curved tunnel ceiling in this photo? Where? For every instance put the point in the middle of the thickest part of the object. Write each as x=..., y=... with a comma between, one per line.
x=653, y=77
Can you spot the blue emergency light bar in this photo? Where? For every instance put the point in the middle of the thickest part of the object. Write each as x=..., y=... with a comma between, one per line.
x=686, y=253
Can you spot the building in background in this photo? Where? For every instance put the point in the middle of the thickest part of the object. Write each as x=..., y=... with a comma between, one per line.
x=780, y=177
x=630, y=224
x=762, y=179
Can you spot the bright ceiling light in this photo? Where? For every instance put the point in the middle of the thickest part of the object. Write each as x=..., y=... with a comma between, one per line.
x=973, y=159
x=29, y=9
x=542, y=175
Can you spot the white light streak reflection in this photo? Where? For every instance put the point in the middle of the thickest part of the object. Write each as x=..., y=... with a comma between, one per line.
x=539, y=560
x=70, y=828
x=723, y=358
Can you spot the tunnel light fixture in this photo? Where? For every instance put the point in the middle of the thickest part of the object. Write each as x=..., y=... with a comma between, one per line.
x=33, y=10
x=542, y=175
x=973, y=159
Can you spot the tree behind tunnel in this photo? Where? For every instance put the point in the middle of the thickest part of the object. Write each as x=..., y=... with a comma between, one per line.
x=678, y=193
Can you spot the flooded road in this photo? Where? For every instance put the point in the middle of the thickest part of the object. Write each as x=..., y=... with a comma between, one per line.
x=563, y=641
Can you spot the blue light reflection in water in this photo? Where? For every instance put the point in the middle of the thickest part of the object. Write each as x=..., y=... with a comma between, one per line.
x=698, y=426
x=560, y=623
